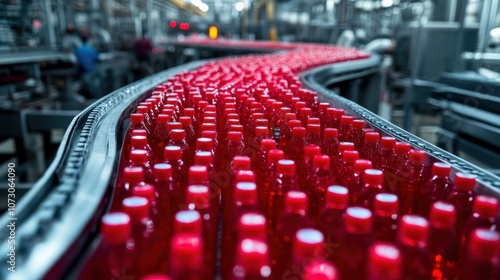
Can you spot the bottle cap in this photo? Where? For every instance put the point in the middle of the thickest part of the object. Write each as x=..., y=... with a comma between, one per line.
x=387, y=142
x=441, y=169
x=267, y=144
x=173, y=125
x=305, y=112
x=136, y=207
x=142, y=109
x=299, y=105
x=210, y=108
x=185, y=121
x=189, y=112
x=186, y=251
x=136, y=118
x=207, y=126
x=155, y=277
x=330, y=133
x=384, y=260
x=209, y=119
x=203, y=158
x=373, y=177
x=262, y=122
x=386, y=204
x=277, y=105
x=298, y=132
x=198, y=197
x=350, y=156
x=358, y=124
x=245, y=176
x=188, y=221
x=172, y=153
x=313, y=129
x=413, y=231
x=402, y=148
x=290, y=116
x=245, y=193
x=145, y=190
x=484, y=244
x=252, y=225
x=346, y=120
x=308, y=243
x=294, y=123
x=275, y=155
x=320, y=270
x=233, y=117
x=321, y=161
x=139, y=132
x=198, y=174
x=204, y=144
x=442, y=215
x=311, y=150
x=465, y=182
x=372, y=137
x=253, y=258
x=235, y=136
x=168, y=112
x=286, y=167
x=209, y=134
x=358, y=220
x=314, y=121
x=139, y=142
x=285, y=110
x=417, y=156
x=177, y=134
x=361, y=165
x=115, y=227
x=323, y=106
x=139, y=156
x=337, y=197
x=133, y=175
x=296, y=202
x=261, y=131
x=256, y=116
x=346, y=146
x=485, y=206
x=338, y=113
x=162, y=171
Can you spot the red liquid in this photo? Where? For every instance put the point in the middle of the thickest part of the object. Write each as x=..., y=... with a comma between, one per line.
x=370, y=147
x=178, y=138
x=462, y=197
x=345, y=129
x=139, y=158
x=313, y=136
x=358, y=135
x=385, y=153
x=173, y=157
x=412, y=240
x=416, y=179
x=187, y=257
x=235, y=147
x=160, y=137
x=317, y=184
x=385, y=217
x=330, y=144
x=320, y=270
x=284, y=182
x=438, y=188
x=295, y=148
x=308, y=246
x=286, y=134
x=346, y=169
x=384, y=262
x=372, y=185
x=393, y=176
x=482, y=261
x=252, y=261
x=354, y=180
x=333, y=117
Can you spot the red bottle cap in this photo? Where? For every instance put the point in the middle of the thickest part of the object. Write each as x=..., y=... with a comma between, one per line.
x=417, y=156
x=296, y=202
x=186, y=252
x=442, y=215
x=294, y=123
x=162, y=171
x=346, y=120
x=188, y=221
x=330, y=133
x=358, y=220
x=314, y=121
x=305, y=112
x=358, y=124
x=232, y=122
x=142, y=109
x=402, y=148
x=299, y=105
x=386, y=204
x=203, y=158
x=172, y=153
x=252, y=225
x=313, y=129
x=256, y=116
x=139, y=132
x=465, y=182
x=189, y=112
x=277, y=105
x=323, y=106
x=290, y=116
x=338, y=112
x=241, y=163
x=298, y=132
x=261, y=131
x=373, y=177
x=207, y=119
x=210, y=108
x=350, y=156
x=262, y=122
x=285, y=110
x=236, y=128
x=286, y=167
x=384, y=260
x=198, y=197
x=252, y=257
x=235, y=136
x=485, y=206
x=311, y=150
x=136, y=118
x=139, y=142
x=320, y=270
x=145, y=190
x=155, y=277
x=177, y=134
x=173, y=125
x=308, y=243
x=115, y=227
x=185, y=121
x=275, y=155
x=321, y=161
x=136, y=207
x=207, y=126
x=202, y=104
x=361, y=165
x=387, y=142
x=245, y=193
x=441, y=169
x=413, y=231
x=204, y=144
x=372, y=137
x=267, y=144
x=209, y=134
x=133, y=175
x=233, y=117
x=346, y=146
x=198, y=174
x=484, y=244
x=337, y=197
x=245, y=176
x=139, y=156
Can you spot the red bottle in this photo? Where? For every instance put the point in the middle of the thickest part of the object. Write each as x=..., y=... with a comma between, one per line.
x=178, y=138
x=345, y=170
x=139, y=158
x=320, y=270
x=265, y=185
x=167, y=196
x=286, y=134
x=333, y=116
x=306, y=168
x=385, y=217
x=443, y=241
x=260, y=163
x=330, y=144
x=136, y=122
x=188, y=221
x=144, y=110
x=285, y=181
x=416, y=178
x=308, y=246
x=393, y=177
x=160, y=137
x=235, y=147
x=187, y=125
x=252, y=261
x=205, y=145
x=295, y=148
x=356, y=241
x=358, y=134
x=173, y=156
x=252, y=225
x=370, y=147
x=141, y=143
x=187, y=257
x=313, y=135
x=484, y=213
x=354, y=180
x=438, y=188
x=345, y=129
x=372, y=185
x=384, y=262
x=412, y=240
x=317, y=184
x=303, y=115
x=482, y=259
x=462, y=197
x=148, y=191
x=132, y=176
x=385, y=152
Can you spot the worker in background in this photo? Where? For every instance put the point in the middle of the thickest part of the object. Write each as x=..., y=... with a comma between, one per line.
x=70, y=40
x=142, y=48
x=87, y=58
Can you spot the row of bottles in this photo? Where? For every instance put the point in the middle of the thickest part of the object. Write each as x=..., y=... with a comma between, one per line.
x=235, y=170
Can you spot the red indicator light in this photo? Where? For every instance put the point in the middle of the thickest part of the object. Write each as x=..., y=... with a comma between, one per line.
x=173, y=24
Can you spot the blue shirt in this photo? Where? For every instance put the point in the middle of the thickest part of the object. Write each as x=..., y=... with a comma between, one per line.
x=87, y=58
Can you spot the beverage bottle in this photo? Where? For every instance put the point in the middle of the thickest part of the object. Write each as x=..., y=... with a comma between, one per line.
x=173, y=125
x=187, y=125
x=317, y=183
x=370, y=147
x=345, y=129
x=333, y=116
x=344, y=171
x=385, y=217
x=281, y=124
x=286, y=134
x=141, y=143
x=205, y=145
x=260, y=163
x=188, y=221
x=330, y=143
x=303, y=115
x=384, y=262
x=337, y=160
x=293, y=218
x=393, y=178
x=385, y=152
x=443, y=241
x=412, y=239
x=139, y=132
x=261, y=133
x=321, y=114
x=178, y=138
x=265, y=185
x=160, y=137
x=136, y=123
x=252, y=261
x=235, y=147
x=173, y=156
x=320, y=270
x=147, y=119
x=415, y=180
x=313, y=136
x=305, y=168
x=484, y=213
x=482, y=259
x=354, y=180
x=284, y=181
x=462, y=197
x=372, y=185
x=190, y=112
x=437, y=188
x=357, y=239
x=139, y=158
x=117, y=246
x=308, y=246
x=132, y=176
x=252, y=225
x=187, y=257
x=210, y=134
x=138, y=210
x=358, y=135
x=167, y=196
x=148, y=191
x=295, y=148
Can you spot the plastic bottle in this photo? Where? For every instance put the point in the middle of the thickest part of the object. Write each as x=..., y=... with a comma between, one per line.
x=295, y=148
x=385, y=217
x=443, y=241
x=160, y=137
x=345, y=129
x=188, y=221
x=141, y=143
x=286, y=134
x=358, y=135
x=438, y=188
x=385, y=152
x=261, y=133
x=252, y=225
x=317, y=184
x=412, y=240
x=308, y=247
x=482, y=260
x=372, y=185
x=187, y=125
x=139, y=158
x=384, y=262
x=259, y=165
x=346, y=168
x=187, y=257
x=330, y=143
x=484, y=213
x=165, y=191
x=320, y=270
x=148, y=191
x=462, y=197
x=235, y=147
x=354, y=180
x=416, y=178
x=333, y=116
x=306, y=168
x=370, y=147
x=313, y=135
x=178, y=138
x=173, y=156
x=337, y=161
x=252, y=261
x=132, y=176
x=285, y=181
x=392, y=176
x=268, y=180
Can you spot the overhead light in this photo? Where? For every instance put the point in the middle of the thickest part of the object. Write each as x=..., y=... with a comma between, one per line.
x=387, y=3
x=197, y=3
x=203, y=7
x=239, y=6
